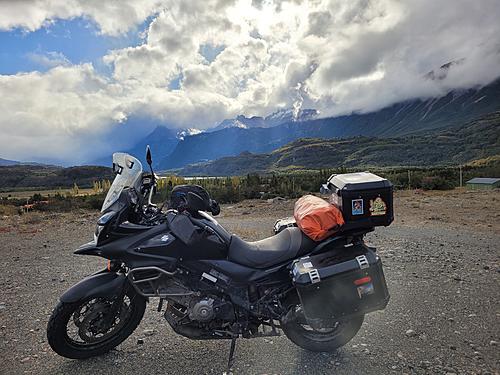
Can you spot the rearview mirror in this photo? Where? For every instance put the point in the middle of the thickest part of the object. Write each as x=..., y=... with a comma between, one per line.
x=149, y=159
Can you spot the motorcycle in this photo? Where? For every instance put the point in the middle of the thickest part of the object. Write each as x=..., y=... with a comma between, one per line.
x=211, y=284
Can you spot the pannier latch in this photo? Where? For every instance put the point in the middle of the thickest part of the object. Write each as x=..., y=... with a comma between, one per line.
x=314, y=275
x=362, y=261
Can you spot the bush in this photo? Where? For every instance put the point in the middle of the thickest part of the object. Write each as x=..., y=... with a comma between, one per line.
x=8, y=210
x=436, y=183
x=94, y=201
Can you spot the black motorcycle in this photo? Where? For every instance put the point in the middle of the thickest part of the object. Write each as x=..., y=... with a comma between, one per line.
x=212, y=284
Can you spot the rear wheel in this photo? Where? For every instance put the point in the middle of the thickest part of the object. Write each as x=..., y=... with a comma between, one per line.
x=93, y=326
x=322, y=339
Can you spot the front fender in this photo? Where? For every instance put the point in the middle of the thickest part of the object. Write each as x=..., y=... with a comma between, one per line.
x=101, y=284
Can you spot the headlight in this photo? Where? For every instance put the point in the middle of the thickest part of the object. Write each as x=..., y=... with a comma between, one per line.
x=102, y=222
x=98, y=230
x=106, y=218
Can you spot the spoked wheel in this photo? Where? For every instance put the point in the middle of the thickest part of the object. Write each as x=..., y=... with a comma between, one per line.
x=322, y=339
x=93, y=326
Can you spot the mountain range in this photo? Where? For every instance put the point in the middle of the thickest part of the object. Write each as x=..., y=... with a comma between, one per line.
x=401, y=119
x=478, y=139
x=5, y=162
x=277, y=118
x=174, y=149
x=163, y=140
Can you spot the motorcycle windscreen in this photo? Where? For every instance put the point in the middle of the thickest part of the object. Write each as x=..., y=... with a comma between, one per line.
x=128, y=172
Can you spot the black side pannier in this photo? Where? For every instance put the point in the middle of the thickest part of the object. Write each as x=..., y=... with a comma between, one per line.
x=340, y=283
x=178, y=198
x=364, y=198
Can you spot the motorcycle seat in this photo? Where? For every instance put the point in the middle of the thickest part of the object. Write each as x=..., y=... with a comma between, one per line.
x=288, y=244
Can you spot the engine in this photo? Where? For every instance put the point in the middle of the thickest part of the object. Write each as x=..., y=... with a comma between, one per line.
x=200, y=317
x=198, y=311
x=203, y=310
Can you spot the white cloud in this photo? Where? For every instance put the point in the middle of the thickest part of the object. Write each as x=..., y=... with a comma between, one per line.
x=335, y=56
x=112, y=16
x=51, y=115
x=50, y=59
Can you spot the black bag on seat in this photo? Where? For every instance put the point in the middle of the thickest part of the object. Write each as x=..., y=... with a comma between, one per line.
x=179, y=202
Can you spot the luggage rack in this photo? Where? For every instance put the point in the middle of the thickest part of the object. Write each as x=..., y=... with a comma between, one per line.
x=346, y=234
x=343, y=237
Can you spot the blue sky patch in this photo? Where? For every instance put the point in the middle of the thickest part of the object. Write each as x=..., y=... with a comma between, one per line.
x=210, y=52
x=76, y=41
x=175, y=84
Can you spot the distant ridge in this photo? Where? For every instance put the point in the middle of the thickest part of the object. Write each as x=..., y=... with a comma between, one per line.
x=274, y=119
x=410, y=117
x=476, y=140
x=48, y=177
x=5, y=162
x=162, y=141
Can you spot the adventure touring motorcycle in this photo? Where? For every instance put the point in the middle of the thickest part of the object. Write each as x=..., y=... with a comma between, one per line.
x=216, y=285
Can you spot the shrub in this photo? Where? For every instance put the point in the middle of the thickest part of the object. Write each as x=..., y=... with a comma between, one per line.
x=8, y=210
x=94, y=201
x=436, y=183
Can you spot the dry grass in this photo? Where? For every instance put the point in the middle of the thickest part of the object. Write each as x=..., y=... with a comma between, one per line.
x=33, y=218
x=25, y=194
x=8, y=210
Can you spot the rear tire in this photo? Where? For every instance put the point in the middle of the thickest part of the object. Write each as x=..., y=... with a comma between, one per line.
x=328, y=340
x=64, y=345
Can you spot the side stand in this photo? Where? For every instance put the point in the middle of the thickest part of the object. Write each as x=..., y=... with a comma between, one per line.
x=235, y=333
x=231, y=354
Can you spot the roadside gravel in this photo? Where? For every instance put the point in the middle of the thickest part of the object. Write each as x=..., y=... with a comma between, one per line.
x=441, y=259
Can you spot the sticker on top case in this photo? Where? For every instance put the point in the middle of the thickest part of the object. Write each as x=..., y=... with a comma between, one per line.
x=378, y=207
x=357, y=207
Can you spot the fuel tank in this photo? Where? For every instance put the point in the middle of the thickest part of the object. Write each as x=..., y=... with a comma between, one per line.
x=159, y=243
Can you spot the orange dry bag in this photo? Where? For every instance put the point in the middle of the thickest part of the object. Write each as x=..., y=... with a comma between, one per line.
x=317, y=218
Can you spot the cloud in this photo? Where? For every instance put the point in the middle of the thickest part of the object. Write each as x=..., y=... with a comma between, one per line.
x=335, y=56
x=51, y=115
x=50, y=59
x=113, y=17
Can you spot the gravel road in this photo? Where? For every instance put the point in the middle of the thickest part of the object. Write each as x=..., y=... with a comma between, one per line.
x=442, y=265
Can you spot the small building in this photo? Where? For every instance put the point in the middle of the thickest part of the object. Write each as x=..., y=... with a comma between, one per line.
x=480, y=183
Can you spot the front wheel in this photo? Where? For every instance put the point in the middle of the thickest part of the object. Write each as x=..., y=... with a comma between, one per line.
x=322, y=339
x=93, y=326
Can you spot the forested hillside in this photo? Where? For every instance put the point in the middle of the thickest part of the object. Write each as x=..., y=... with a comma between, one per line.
x=46, y=177
x=419, y=116
x=478, y=139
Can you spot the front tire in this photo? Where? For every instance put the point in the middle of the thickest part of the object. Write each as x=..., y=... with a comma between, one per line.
x=82, y=330
x=324, y=340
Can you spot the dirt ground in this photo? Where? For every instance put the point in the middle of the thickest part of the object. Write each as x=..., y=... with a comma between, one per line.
x=442, y=264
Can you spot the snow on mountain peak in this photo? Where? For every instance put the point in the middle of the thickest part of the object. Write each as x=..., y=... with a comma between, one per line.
x=274, y=119
x=187, y=132
x=290, y=115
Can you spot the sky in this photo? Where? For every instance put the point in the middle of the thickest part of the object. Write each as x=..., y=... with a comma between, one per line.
x=79, y=78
